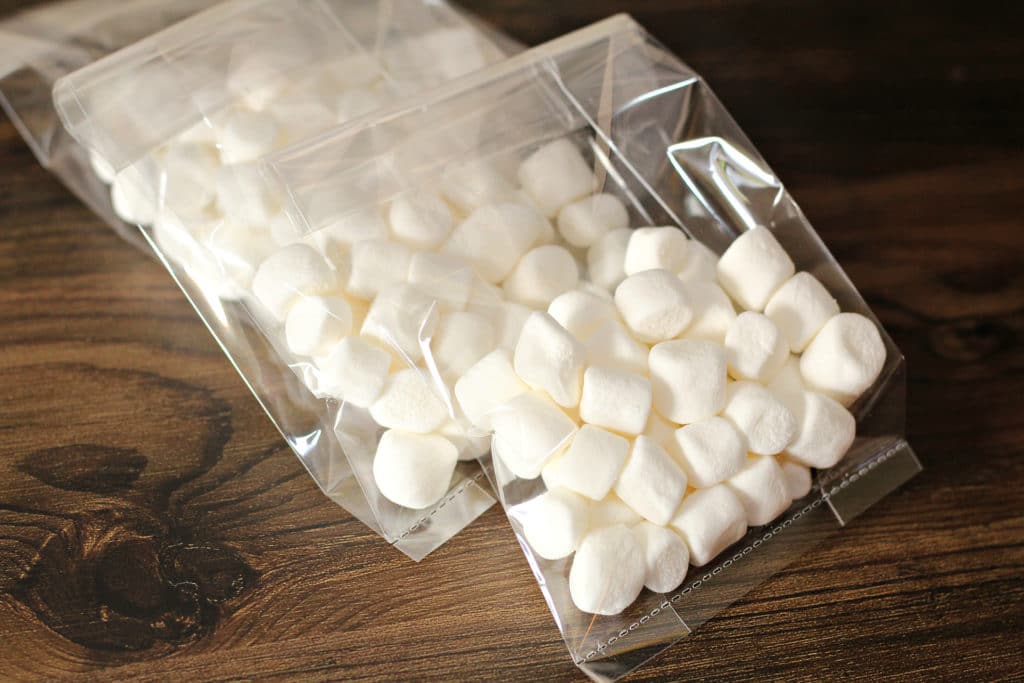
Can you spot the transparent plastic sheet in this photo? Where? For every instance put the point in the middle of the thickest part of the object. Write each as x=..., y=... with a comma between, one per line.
x=177, y=123
x=658, y=139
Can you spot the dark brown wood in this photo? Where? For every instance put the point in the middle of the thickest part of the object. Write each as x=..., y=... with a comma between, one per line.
x=153, y=525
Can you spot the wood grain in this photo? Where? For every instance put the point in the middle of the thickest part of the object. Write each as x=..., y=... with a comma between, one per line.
x=153, y=525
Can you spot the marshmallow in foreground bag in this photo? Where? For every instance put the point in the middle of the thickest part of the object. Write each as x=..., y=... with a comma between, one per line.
x=446, y=278
x=377, y=265
x=470, y=446
x=461, y=340
x=825, y=430
x=473, y=184
x=239, y=250
x=787, y=381
x=688, y=378
x=487, y=385
x=289, y=273
x=402, y=318
x=766, y=423
x=187, y=185
x=244, y=197
x=556, y=175
x=710, y=451
x=662, y=248
x=542, y=274
x=753, y=268
x=581, y=312
x=710, y=520
x=421, y=220
x=130, y=198
x=755, y=349
x=608, y=571
x=553, y=522
x=615, y=399
x=664, y=434
x=666, y=557
x=612, y=511
x=713, y=312
x=245, y=136
x=414, y=470
x=606, y=259
x=844, y=359
x=407, y=403
x=587, y=220
x=494, y=237
x=798, y=478
x=800, y=309
x=590, y=465
x=701, y=264
x=547, y=357
x=762, y=489
x=316, y=323
x=651, y=482
x=354, y=371
x=612, y=346
x=654, y=305
x=529, y=430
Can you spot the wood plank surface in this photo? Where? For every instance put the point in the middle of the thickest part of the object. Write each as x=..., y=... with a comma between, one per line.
x=153, y=525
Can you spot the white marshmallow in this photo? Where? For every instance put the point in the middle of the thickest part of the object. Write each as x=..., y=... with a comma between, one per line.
x=101, y=167
x=615, y=399
x=549, y=358
x=713, y=312
x=613, y=346
x=487, y=385
x=493, y=238
x=132, y=199
x=710, y=520
x=238, y=251
x=844, y=359
x=556, y=175
x=663, y=248
x=787, y=380
x=608, y=571
x=798, y=478
x=377, y=266
x=302, y=112
x=753, y=268
x=529, y=430
x=587, y=220
x=414, y=470
x=289, y=273
x=509, y=319
x=356, y=102
x=664, y=434
x=651, y=482
x=474, y=184
x=666, y=557
x=316, y=323
x=612, y=511
x=462, y=339
x=688, y=379
x=541, y=275
x=606, y=259
x=245, y=136
x=765, y=422
x=346, y=228
x=701, y=264
x=825, y=430
x=710, y=451
x=402, y=318
x=553, y=523
x=445, y=278
x=409, y=404
x=470, y=446
x=244, y=197
x=421, y=219
x=762, y=490
x=654, y=305
x=755, y=348
x=581, y=313
x=800, y=308
x=354, y=371
x=590, y=465
x=188, y=182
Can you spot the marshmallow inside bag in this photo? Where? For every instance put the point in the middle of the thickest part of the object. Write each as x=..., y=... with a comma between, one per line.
x=762, y=489
x=377, y=265
x=713, y=312
x=354, y=371
x=612, y=346
x=661, y=248
x=800, y=308
x=651, y=482
x=488, y=384
x=612, y=511
x=591, y=463
x=710, y=451
x=316, y=323
x=615, y=399
x=529, y=430
x=494, y=237
x=131, y=198
x=101, y=167
x=753, y=268
x=664, y=434
x=581, y=312
x=549, y=358
x=421, y=219
x=461, y=340
x=825, y=430
x=446, y=278
x=608, y=571
x=187, y=185
x=556, y=175
x=414, y=470
x=710, y=520
x=666, y=557
x=239, y=250
x=765, y=422
x=688, y=379
x=541, y=275
x=408, y=403
x=787, y=380
x=654, y=305
x=290, y=273
x=845, y=358
x=469, y=445
x=554, y=522
x=474, y=184
x=402, y=318
x=798, y=478
x=587, y=220
x=245, y=135
x=606, y=259
x=755, y=349
x=701, y=264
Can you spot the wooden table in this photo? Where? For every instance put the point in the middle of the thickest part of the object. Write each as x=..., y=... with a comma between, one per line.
x=153, y=525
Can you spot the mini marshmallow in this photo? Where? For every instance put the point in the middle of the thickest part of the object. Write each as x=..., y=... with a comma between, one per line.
x=462, y=339
x=666, y=557
x=613, y=346
x=710, y=520
x=800, y=308
x=755, y=348
x=101, y=167
x=289, y=273
x=421, y=219
x=131, y=198
x=238, y=251
x=663, y=248
x=587, y=220
x=701, y=264
x=402, y=318
x=354, y=371
x=651, y=482
x=688, y=378
x=612, y=511
x=470, y=446
x=664, y=434
x=352, y=103
x=377, y=266
x=245, y=136
x=446, y=278
x=615, y=399
x=316, y=323
x=553, y=523
x=710, y=451
x=766, y=423
x=490, y=383
x=244, y=197
x=825, y=430
x=556, y=175
x=787, y=380
x=474, y=184
x=493, y=238
x=713, y=312
x=509, y=319
x=581, y=313
x=414, y=470
x=529, y=430
x=753, y=268
x=408, y=404
x=341, y=231
x=188, y=179
x=654, y=305
x=591, y=463
x=798, y=478
x=844, y=359
x=541, y=275
x=608, y=571
x=549, y=358
x=762, y=489
x=606, y=259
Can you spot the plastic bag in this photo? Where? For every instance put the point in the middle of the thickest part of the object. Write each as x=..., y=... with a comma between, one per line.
x=653, y=135
x=177, y=123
